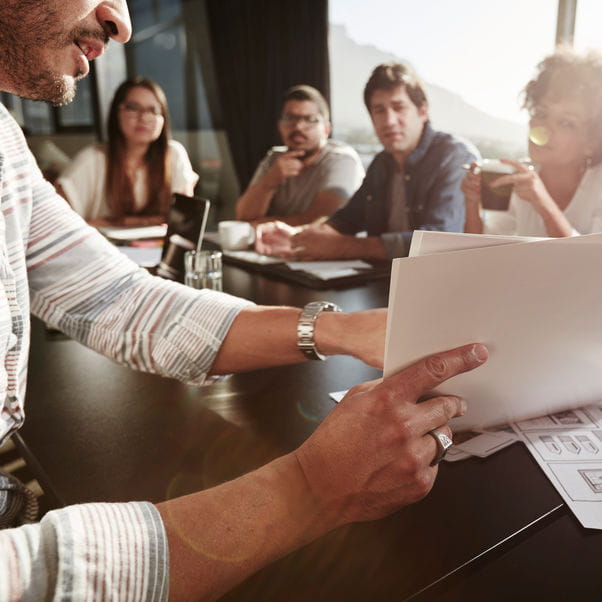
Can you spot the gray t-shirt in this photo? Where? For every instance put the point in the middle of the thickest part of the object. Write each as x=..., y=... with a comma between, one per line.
x=337, y=170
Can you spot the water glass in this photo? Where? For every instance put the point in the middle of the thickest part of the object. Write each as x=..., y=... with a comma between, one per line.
x=203, y=269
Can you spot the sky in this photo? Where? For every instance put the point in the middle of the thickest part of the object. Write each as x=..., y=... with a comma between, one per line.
x=473, y=48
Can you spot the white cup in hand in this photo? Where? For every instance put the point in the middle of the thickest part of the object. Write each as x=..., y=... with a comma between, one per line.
x=235, y=235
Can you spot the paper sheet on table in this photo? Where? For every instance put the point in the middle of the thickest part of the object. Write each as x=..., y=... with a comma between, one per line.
x=138, y=233
x=252, y=257
x=326, y=270
x=568, y=448
x=145, y=257
x=536, y=305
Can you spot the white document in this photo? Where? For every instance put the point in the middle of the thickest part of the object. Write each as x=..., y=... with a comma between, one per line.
x=137, y=233
x=327, y=270
x=144, y=257
x=252, y=257
x=536, y=305
x=426, y=242
x=568, y=448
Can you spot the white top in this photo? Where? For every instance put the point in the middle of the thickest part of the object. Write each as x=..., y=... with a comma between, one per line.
x=584, y=212
x=84, y=180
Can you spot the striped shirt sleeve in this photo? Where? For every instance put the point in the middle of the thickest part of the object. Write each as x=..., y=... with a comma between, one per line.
x=87, y=552
x=84, y=286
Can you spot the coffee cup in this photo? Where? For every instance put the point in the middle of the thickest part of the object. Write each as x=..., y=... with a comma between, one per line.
x=235, y=235
x=495, y=197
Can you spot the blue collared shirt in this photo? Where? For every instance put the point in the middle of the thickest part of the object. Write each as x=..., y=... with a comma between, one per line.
x=434, y=200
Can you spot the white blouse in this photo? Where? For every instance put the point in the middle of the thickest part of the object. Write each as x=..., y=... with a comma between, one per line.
x=83, y=180
x=584, y=212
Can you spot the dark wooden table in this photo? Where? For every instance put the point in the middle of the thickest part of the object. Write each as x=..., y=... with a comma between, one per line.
x=491, y=529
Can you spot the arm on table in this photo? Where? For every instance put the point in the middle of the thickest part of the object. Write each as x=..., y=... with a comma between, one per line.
x=317, y=241
x=256, y=199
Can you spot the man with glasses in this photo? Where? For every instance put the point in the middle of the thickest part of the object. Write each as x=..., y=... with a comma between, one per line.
x=310, y=176
x=413, y=184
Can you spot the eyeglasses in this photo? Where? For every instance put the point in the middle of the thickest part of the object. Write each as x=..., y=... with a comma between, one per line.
x=132, y=109
x=308, y=121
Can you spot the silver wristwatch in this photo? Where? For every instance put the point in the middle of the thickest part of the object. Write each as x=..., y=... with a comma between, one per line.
x=305, y=328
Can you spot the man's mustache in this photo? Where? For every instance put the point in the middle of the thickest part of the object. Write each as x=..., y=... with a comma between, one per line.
x=297, y=133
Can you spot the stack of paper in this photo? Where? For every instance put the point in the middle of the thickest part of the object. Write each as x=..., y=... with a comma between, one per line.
x=537, y=305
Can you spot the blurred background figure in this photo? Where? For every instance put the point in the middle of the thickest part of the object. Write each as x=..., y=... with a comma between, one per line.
x=130, y=179
x=561, y=193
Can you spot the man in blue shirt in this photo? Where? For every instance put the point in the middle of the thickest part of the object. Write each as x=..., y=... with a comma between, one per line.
x=413, y=184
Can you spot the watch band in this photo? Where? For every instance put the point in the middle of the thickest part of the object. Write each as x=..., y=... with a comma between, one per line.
x=305, y=328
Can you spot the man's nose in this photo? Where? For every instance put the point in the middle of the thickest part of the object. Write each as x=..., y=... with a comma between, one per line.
x=113, y=15
x=390, y=117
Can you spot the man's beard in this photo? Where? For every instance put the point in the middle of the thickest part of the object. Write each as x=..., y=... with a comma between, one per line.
x=49, y=87
x=27, y=46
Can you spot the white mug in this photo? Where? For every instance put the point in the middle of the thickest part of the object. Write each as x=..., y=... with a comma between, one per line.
x=235, y=235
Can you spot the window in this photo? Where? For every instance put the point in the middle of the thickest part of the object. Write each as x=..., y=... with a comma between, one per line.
x=474, y=57
x=587, y=25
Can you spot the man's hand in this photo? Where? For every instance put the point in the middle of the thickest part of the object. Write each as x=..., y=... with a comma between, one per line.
x=274, y=238
x=372, y=455
x=285, y=166
x=530, y=188
x=318, y=241
x=471, y=187
x=527, y=185
x=369, y=457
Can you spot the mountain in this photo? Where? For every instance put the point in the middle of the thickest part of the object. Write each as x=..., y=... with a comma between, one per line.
x=350, y=66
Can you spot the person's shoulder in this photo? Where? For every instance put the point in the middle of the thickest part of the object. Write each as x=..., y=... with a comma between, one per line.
x=92, y=152
x=381, y=160
x=336, y=147
x=451, y=144
x=176, y=146
x=8, y=125
x=341, y=152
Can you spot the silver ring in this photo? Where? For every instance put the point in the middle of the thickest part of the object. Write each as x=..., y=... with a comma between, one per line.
x=443, y=444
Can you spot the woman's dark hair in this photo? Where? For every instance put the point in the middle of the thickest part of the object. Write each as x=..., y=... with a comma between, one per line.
x=567, y=74
x=119, y=190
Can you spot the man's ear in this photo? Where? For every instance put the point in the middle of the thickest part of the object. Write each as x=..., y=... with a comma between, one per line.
x=327, y=128
x=423, y=111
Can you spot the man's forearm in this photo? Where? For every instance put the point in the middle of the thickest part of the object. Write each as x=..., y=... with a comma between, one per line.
x=263, y=337
x=262, y=516
x=255, y=201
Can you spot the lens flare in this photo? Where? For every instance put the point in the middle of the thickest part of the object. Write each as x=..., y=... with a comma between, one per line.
x=539, y=135
x=306, y=413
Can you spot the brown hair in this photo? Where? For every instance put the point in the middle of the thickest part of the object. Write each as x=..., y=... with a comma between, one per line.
x=305, y=92
x=391, y=75
x=119, y=190
x=567, y=74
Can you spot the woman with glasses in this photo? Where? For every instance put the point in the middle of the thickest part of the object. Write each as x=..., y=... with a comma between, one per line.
x=561, y=193
x=130, y=179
